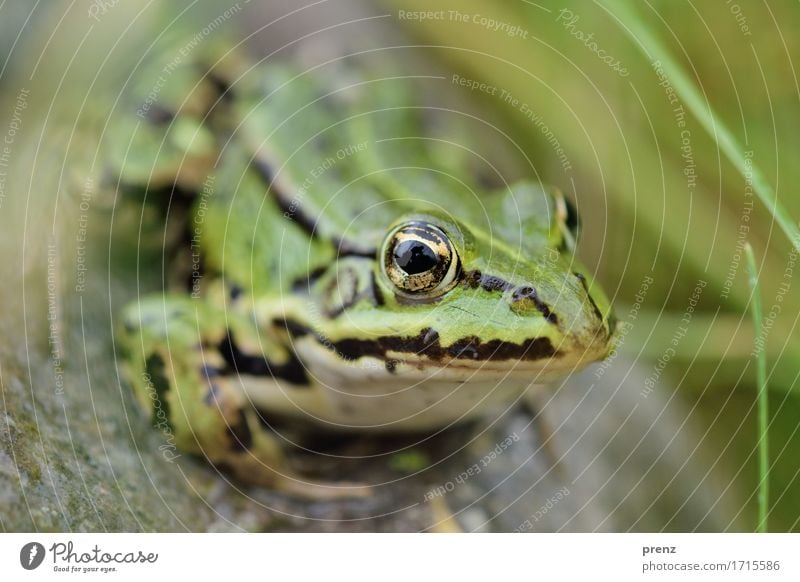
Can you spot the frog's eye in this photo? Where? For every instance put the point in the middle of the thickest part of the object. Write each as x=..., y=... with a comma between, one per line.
x=419, y=259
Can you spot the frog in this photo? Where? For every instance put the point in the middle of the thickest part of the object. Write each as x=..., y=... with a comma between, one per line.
x=350, y=272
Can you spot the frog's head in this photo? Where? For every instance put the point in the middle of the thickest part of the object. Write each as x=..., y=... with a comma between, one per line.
x=453, y=300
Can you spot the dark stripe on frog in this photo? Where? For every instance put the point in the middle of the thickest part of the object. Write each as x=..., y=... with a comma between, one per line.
x=158, y=115
x=377, y=296
x=475, y=279
x=308, y=280
x=585, y=286
x=373, y=292
x=346, y=248
x=156, y=371
x=221, y=87
x=239, y=362
x=370, y=292
x=293, y=212
x=281, y=198
x=346, y=283
x=427, y=343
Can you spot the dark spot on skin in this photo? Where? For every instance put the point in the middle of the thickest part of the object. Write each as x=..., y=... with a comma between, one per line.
x=208, y=371
x=490, y=283
x=391, y=366
x=173, y=204
x=235, y=292
x=239, y=362
x=156, y=370
x=522, y=293
x=159, y=116
x=585, y=286
x=472, y=279
x=221, y=87
x=475, y=279
x=239, y=431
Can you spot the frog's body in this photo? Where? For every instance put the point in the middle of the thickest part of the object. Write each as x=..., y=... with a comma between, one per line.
x=355, y=275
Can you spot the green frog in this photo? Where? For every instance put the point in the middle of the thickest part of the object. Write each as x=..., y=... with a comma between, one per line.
x=349, y=269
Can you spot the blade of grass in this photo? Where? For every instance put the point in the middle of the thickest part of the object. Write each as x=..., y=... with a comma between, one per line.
x=653, y=49
x=763, y=403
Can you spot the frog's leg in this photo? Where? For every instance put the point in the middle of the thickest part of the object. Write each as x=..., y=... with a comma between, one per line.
x=533, y=405
x=170, y=345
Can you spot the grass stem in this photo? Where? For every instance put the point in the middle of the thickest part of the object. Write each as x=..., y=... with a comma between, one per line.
x=763, y=402
x=652, y=48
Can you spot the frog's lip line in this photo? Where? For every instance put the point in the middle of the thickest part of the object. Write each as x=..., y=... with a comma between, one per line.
x=406, y=362
x=529, y=357
x=509, y=367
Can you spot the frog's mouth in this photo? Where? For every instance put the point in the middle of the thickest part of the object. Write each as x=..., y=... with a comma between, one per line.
x=424, y=355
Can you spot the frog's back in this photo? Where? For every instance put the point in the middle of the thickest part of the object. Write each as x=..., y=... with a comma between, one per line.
x=291, y=167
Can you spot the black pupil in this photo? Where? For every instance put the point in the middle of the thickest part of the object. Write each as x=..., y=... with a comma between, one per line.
x=415, y=257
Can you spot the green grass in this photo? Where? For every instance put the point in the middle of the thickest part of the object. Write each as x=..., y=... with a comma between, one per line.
x=763, y=395
x=654, y=50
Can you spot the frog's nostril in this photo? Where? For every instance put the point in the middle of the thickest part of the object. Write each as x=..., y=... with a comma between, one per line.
x=526, y=300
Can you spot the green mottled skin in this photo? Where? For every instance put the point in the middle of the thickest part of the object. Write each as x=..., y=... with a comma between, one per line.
x=290, y=249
